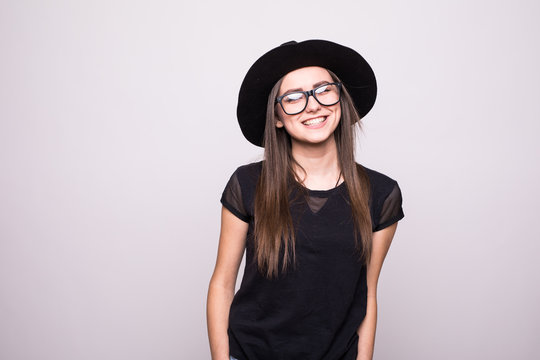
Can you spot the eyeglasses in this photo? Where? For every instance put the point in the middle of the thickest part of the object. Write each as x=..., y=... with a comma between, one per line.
x=295, y=102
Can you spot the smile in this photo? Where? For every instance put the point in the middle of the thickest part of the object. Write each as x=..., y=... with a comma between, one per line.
x=314, y=121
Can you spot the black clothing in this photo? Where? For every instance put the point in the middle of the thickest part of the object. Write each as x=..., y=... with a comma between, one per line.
x=311, y=312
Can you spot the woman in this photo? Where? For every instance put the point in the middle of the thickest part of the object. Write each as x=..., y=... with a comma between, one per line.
x=315, y=225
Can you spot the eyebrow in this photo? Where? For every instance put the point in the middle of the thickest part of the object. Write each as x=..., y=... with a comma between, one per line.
x=317, y=84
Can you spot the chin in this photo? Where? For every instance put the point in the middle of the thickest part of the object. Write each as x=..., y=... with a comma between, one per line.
x=315, y=140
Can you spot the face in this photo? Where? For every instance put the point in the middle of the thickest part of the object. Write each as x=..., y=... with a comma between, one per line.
x=316, y=124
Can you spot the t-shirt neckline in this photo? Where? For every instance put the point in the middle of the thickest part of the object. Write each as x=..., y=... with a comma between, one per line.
x=322, y=193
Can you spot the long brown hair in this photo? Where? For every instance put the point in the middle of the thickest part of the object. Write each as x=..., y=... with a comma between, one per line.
x=274, y=229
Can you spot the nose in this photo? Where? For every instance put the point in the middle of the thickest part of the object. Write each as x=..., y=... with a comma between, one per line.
x=312, y=104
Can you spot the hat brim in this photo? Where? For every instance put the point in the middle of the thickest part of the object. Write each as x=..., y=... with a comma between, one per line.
x=354, y=72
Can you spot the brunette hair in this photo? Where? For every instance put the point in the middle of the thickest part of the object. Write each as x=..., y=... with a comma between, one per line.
x=273, y=227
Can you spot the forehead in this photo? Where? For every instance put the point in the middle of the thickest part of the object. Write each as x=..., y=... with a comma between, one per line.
x=305, y=78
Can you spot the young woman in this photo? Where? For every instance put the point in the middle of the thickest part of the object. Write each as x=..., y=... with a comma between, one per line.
x=315, y=225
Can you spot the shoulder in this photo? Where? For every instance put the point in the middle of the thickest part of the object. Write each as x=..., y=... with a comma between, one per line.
x=251, y=170
x=385, y=199
x=248, y=175
x=239, y=193
x=380, y=183
x=382, y=186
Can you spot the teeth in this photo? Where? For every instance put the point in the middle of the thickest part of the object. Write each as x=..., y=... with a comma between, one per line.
x=314, y=121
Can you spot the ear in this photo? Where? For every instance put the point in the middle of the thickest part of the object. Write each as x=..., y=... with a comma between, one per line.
x=279, y=123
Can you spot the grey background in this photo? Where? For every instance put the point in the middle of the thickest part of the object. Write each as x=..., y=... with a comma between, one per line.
x=118, y=134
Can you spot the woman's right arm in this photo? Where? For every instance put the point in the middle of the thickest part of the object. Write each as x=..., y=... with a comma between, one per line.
x=232, y=242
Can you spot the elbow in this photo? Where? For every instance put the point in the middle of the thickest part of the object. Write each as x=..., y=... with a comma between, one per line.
x=221, y=284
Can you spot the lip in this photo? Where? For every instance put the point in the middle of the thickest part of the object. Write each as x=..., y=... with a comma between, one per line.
x=316, y=125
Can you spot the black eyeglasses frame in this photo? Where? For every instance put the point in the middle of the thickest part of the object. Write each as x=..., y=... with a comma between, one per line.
x=308, y=94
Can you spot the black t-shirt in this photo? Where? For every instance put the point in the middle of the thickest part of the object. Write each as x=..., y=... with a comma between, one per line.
x=312, y=311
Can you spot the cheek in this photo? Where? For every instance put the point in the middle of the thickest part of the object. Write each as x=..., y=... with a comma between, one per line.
x=281, y=119
x=284, y=119
x=337, y=113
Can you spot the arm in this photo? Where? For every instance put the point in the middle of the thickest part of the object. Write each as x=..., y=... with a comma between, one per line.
x=232, y=242
x=366, y=332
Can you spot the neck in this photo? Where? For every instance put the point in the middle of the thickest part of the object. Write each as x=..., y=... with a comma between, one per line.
x=320, y=162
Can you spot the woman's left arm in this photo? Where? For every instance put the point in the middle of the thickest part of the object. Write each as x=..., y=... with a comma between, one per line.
x=366, y=332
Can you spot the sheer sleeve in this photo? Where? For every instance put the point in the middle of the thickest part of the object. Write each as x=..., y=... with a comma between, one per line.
x=391, y=209
x=232, y=198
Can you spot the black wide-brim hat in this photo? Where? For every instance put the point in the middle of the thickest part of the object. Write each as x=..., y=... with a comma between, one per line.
x=354, y=72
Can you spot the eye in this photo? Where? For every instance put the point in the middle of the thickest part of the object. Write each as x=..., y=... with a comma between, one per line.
x=322, y=89
x=293, y=97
